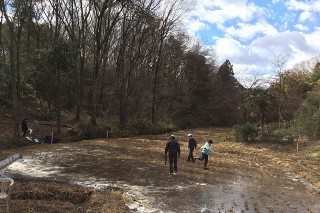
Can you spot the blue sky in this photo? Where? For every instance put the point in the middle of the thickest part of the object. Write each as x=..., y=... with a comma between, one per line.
x=252, y=34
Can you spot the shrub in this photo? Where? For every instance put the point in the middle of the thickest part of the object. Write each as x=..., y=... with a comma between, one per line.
x=271, y=136
x=86, y=130
x=307, y=118
x=141, y=126
x=284, y=136
x=245, y=132
x=144, y=126
x=267, y=136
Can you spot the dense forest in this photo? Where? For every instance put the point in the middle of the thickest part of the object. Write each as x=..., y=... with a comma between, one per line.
x=131, y=61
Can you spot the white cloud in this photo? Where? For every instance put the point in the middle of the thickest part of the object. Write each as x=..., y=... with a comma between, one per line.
x=286, y=43
x=313, y=40
x=305, y=16
x=192, y=26
x=248, y=31
x=251, y=36
x=227, y=48
x=312, y=6
x=221, y=11
x=258, y=56
x=301, y=27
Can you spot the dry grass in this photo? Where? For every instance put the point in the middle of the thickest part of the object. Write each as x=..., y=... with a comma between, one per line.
x=42, y=196
x=54, y=197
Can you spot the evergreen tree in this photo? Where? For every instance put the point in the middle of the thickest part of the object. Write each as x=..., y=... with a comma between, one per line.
x=226, y=100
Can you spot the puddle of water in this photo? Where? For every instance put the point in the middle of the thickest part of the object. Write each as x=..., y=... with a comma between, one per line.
x=161, y=193
x=308, y=186
x=140, y=201
x=32, y=166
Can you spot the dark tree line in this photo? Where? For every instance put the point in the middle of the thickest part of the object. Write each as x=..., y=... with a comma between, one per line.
x=125, y=59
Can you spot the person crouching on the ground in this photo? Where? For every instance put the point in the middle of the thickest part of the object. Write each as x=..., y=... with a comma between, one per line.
x=173, y=147
x=192, y=144
x=24, y=126
x=206, y=149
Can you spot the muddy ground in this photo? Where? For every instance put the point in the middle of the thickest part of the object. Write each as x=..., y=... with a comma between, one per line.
x=129, y=175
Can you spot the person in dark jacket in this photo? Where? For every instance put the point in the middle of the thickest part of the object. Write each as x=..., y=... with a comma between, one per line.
x=24, y=126
x=173, y=147
x=192, y=145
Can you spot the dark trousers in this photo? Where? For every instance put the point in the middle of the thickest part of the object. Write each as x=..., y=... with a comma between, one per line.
x=190, y=156
x=173, y=162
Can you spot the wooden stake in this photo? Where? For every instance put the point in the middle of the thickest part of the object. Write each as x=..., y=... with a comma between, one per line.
x=298, y=141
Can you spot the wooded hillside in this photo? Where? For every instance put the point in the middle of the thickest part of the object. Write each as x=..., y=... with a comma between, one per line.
x=130, y=61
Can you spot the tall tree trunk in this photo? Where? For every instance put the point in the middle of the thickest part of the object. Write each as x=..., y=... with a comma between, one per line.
x=94, y=97
x=155, y=81
x=59, y=101
x=56, y=35
x=18, y=65
x=167, y=22
x=82, y=55
x=122, y=93
x=80, y=89
x=15, y=102
x=95, y=87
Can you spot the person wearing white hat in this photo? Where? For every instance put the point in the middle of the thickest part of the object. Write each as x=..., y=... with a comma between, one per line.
x=192, y=145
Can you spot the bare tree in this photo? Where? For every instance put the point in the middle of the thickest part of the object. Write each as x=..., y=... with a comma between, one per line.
x=279, y=62
x=132, y=52
x=105, y=14
x=169, y=13
x=75, y=21
x=52, y=13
